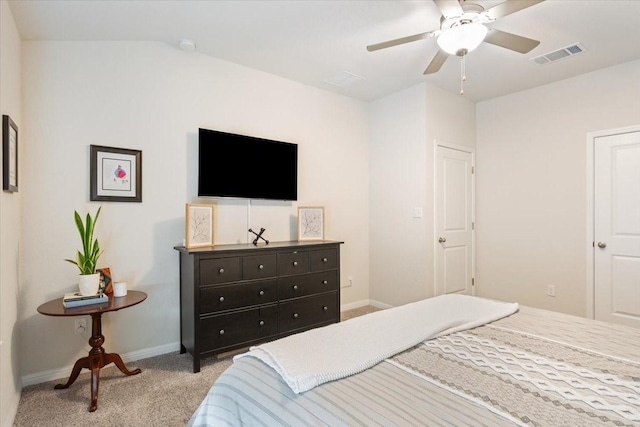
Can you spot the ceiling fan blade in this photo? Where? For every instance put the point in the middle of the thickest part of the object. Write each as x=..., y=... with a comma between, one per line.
x=510, y=41
x=509, y=7
x=449, y=8
x=401, y=40
x=436, y=62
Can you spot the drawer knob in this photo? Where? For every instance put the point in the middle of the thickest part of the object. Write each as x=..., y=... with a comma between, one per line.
x=295, y=287
x=325, y=308
x=261, y=267
x=295, y=315
x=221, y=271
x=295, y=263
x=221, y=331
x=261, y=293
x=221, y=299
x=261, y=323
x=324, y=282
x=324, y=260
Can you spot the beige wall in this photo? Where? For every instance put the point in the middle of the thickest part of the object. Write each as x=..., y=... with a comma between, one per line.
x=404, y=127
x=531, y=180
x=10, y=104
x=154, y=97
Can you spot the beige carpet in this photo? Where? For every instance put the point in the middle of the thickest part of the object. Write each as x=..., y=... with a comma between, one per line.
x=166, y=393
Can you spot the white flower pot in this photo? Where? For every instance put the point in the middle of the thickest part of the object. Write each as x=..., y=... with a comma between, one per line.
x=89, y=284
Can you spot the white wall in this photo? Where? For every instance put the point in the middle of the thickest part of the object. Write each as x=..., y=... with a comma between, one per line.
x=153, y=97
x=10, y=104
x=531, y=181
x=404, y=127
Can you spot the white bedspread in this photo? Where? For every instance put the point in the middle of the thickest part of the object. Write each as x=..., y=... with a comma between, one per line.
x=336, y=351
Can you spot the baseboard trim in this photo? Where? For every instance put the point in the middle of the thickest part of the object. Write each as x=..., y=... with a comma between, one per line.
x=379, y=304
x=54, y=374
x=363, y=303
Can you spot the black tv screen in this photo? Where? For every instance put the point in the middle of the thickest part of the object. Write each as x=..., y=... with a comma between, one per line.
x=231, y=165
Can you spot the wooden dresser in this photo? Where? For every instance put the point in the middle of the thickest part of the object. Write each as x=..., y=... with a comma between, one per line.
x=232, y=296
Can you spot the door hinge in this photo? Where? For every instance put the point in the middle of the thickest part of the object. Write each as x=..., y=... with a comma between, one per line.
x=473, y=170
x=593, y=244
x=473, y=281
x=473, y=225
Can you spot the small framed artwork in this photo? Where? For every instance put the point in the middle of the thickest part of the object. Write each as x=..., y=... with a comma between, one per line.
x=116, y=174
x=105, y=280
x=9, y=155
x=310, y=223
x=199, y=220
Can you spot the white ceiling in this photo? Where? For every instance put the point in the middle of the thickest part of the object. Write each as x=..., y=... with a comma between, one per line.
x=310, y=41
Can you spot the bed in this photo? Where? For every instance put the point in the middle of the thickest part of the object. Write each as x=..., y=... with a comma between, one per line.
x=530, y=368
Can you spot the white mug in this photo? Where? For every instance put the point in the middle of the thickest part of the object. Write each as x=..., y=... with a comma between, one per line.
x=120, y=289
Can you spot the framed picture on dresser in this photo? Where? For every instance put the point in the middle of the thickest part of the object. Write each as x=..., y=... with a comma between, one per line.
x=200, y=224
x=310, y=223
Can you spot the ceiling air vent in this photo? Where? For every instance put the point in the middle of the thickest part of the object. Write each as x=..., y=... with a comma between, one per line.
x=559, y=54
x=343, y=79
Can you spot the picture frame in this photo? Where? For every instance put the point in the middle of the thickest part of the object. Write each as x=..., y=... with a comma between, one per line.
x=115, y=174
x=9, y=155
x=199, y=224
x=310, y=223
x=106, y=283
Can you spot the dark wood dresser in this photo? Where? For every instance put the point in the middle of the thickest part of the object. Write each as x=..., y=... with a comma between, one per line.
x=233, y=296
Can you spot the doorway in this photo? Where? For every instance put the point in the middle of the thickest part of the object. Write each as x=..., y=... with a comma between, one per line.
x=454, y=222
x=614, y=250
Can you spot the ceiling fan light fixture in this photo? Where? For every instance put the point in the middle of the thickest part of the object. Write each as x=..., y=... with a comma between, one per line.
x=462, y=38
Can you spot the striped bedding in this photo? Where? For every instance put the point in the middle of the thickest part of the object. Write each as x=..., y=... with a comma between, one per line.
x=534, y=368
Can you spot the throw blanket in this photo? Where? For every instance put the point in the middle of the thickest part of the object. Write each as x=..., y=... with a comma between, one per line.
x=336, y=351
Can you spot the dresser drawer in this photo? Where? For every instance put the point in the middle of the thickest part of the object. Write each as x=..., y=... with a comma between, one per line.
x=233, y=329
x=293, y=263
x=227, y=297
x=259, y=266
x=305, y=312
x=325, y=259
x=307, y=284
x=219, y=270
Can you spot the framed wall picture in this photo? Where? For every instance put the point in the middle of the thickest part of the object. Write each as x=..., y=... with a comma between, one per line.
x=116, y=174
x=310, y=223
x=200, y=220
x=9, y=155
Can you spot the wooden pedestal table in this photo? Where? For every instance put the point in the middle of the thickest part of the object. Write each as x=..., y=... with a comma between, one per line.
x=97, y=357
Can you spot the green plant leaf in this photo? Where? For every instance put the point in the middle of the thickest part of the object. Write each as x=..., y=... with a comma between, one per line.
x=86, y=260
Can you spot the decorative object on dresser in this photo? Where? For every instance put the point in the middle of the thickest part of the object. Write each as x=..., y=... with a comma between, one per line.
x=310, y=223
x=258, y=237
x=116, y=174
x=89, y=279
x=9, y=155
x=233, y=296
x=199, y=224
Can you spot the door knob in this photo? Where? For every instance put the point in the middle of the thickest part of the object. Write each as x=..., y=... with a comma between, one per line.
x=602, y=245
x=442, y=240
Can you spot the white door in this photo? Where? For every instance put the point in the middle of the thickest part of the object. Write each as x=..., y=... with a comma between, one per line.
x=454, y=221
x=617, y=228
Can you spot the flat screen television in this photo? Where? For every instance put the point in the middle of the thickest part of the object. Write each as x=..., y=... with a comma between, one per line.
x=231, y=165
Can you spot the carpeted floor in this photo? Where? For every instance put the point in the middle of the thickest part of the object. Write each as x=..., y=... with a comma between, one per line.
x=166, y=393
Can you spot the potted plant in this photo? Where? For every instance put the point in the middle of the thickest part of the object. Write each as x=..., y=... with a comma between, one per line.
x=89, y=281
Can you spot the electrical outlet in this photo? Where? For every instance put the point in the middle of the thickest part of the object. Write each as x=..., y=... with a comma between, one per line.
x=348, y=284
x=551, y=290
x=350, y=280
x=80, y=326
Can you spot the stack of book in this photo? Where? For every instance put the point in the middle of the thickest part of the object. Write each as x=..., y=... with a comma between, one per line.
x=75, y=299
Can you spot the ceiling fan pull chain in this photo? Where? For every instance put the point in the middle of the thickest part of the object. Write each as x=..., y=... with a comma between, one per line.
x=463, y=74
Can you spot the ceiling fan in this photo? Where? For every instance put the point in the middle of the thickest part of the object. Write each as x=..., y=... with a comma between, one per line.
x=463, y=28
